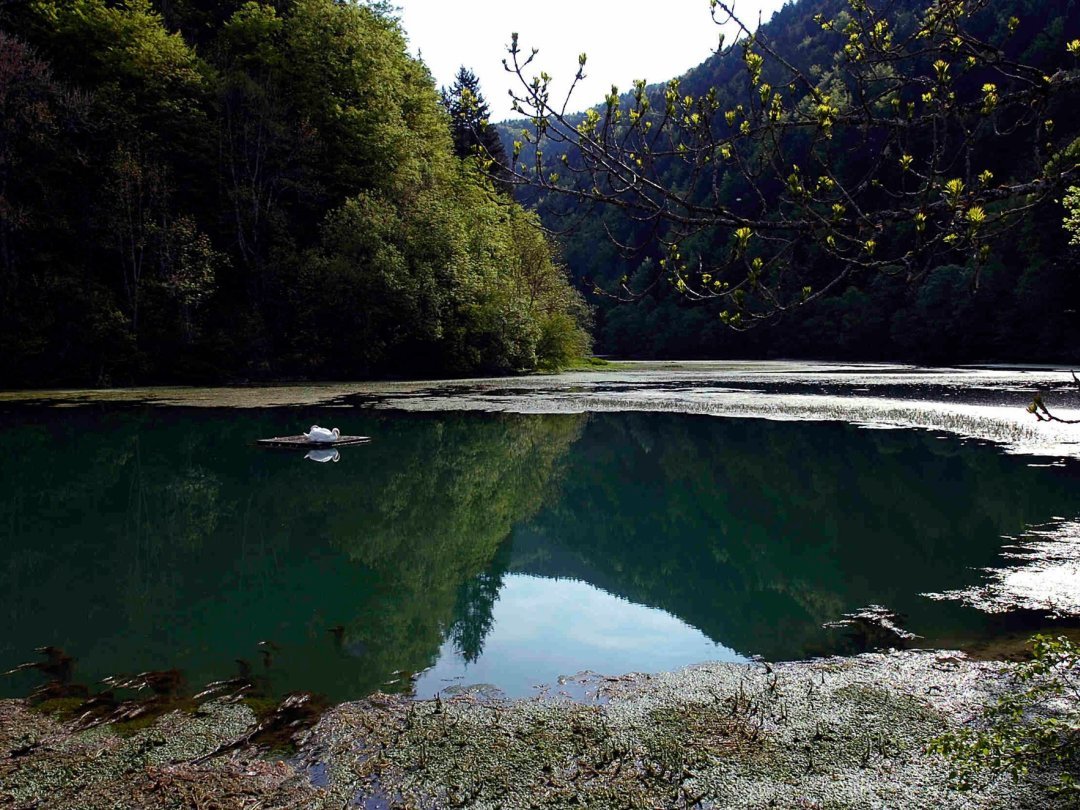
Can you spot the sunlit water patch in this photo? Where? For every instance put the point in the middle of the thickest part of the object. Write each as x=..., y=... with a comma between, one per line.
x=1040, y=572
x=984, y=404
x=981, y=403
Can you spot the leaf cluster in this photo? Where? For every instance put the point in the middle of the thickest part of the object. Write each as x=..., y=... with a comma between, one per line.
x=1032, y=732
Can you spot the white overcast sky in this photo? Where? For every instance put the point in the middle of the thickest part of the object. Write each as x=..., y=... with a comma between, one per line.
x=625, y=40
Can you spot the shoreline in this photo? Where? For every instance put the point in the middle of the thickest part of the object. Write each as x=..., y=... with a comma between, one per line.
x=837, y=732
x=588, y=365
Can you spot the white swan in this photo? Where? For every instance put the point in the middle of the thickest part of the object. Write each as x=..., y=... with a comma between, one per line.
x=323, y=456
x=318, y=434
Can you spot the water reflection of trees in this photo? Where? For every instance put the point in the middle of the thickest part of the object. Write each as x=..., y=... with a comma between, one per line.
x=431, y=520
x=474, y=612
x=142, y=539
x=148, y=539
x=758, y=532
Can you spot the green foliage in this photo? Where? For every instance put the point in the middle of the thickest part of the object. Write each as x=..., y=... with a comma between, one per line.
x=143, y=78
x=474, y=135
x=451, y=274
x=229, y=190
x=1072, y=215
x=1033, y=732
x=561, y=342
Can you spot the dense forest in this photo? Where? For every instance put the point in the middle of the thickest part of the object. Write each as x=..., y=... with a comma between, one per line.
x=203, y=190
x=1019, y=305
x=217, y=190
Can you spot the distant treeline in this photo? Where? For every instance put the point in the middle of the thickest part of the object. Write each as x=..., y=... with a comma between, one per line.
x=197, y=190
x=1023, y=305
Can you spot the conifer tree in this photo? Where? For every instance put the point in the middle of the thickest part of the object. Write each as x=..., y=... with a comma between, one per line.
x=472, y=132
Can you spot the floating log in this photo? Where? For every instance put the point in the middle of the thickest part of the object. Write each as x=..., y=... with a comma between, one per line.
x=300, y=442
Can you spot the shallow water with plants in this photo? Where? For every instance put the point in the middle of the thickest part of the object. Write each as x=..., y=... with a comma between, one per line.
x=485, y=551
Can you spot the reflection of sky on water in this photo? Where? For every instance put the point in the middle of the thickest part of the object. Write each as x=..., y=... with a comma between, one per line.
x=545, y=628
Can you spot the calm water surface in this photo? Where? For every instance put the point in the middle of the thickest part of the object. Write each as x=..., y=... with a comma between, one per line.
x=459, y=549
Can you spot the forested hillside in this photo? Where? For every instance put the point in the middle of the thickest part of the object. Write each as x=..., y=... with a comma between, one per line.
x=202, y=190
x=1021, y=304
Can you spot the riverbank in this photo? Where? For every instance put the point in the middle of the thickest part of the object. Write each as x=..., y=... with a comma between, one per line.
x=984, y=404
x=832, y=733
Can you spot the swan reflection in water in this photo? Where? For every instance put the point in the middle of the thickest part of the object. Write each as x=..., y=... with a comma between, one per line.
x=323, y=456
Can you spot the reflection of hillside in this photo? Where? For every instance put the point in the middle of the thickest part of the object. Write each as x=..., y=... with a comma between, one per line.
x=757, y=532
x=430, y=521
x=145, y=539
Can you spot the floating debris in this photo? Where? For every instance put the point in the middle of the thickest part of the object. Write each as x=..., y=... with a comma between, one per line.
x=299, y=442
x=59, y=668
x=58, y=665
x=833, y=733
x=830, y=733
x=986, y=404
x=298, y=712
x=873, y=628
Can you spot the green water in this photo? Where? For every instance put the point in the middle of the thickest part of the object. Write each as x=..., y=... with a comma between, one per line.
x=482, y=548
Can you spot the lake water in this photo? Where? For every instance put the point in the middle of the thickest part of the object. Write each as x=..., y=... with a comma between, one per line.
x=463, y=548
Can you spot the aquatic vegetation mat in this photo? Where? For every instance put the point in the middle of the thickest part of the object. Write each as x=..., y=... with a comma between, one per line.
x=981, y=403
x=837, y=733
x=848, y=733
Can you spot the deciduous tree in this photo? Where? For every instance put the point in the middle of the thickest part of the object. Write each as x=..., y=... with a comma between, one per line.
x=925, y=139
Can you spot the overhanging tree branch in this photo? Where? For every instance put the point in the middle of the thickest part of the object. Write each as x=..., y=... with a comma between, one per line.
x=765, y=164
